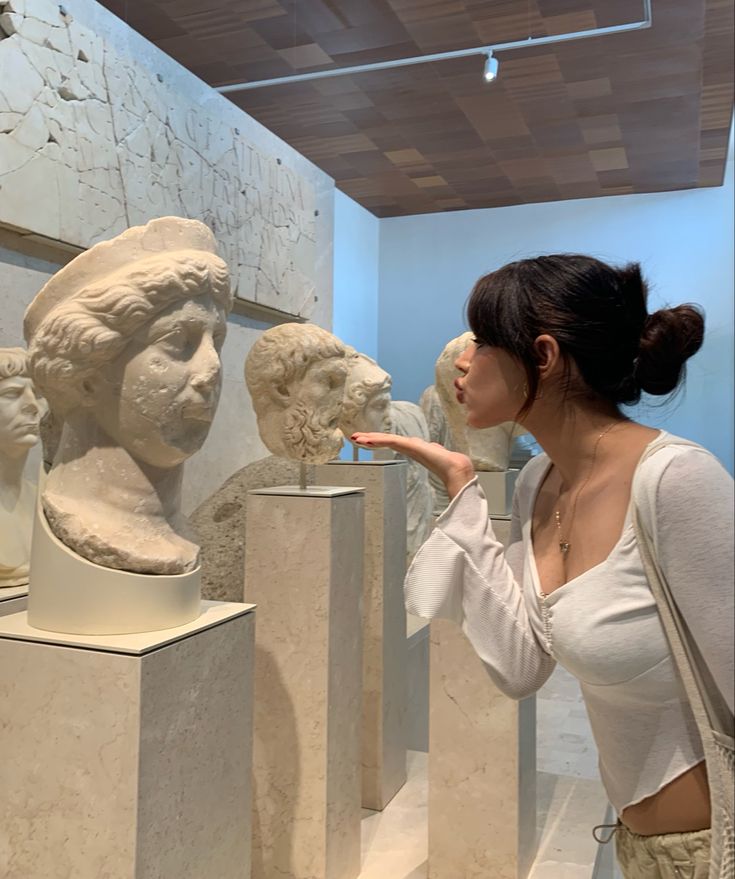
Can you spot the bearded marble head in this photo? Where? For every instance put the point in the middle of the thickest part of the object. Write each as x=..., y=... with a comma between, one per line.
x=366, y=405
x=296, y=376
x=489, y=448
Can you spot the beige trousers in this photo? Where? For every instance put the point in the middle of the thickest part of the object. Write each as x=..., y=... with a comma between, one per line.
x=669, y=856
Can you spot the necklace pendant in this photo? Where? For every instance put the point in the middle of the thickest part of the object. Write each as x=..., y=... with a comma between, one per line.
x=564, y=547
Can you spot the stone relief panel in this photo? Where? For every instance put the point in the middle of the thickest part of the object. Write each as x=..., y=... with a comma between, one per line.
x=99, y=131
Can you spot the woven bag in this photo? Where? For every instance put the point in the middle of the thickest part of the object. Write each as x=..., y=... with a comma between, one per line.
x=714, y=720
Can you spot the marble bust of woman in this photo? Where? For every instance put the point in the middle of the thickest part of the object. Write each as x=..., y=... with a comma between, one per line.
x=124, y=343
x=20, y=411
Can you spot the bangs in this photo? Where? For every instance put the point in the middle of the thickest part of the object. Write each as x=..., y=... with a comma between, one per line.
x=493, y=308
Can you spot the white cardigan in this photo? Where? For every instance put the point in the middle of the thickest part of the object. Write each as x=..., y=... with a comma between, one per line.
x=602, y=626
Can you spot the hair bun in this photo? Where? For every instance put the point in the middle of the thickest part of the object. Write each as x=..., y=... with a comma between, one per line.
x=670, y=337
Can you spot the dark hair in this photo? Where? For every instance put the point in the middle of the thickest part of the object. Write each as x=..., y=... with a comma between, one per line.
x=598, y=316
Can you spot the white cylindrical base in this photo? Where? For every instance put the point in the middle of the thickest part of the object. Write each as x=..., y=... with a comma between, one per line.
x=68, y=593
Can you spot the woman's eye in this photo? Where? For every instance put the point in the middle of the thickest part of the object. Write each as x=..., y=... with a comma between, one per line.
x=478, y=343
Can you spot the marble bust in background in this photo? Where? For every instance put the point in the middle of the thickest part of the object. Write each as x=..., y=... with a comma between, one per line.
x=20, y=412
x=124, y=343
x=296, y=376
x=489, y=448
x=438, y=426
x=366, y=403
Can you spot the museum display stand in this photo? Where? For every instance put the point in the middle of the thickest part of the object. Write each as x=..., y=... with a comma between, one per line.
x=498, y=487
x=128, y=755
x=385, y=650
x=304, y=570
x=13, y=599
x=482, y=764
x=68, y=593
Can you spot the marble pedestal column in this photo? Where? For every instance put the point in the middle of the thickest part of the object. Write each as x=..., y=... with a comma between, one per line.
x=385, y=650
x=303, y=567
x=482, y=765
x=498, y=487
x=13, y=599
x=127, y=756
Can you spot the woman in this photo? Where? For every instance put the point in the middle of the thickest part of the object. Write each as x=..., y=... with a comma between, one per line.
x=560, y=343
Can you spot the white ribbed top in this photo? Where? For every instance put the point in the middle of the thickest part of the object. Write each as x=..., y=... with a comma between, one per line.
x=602, y=626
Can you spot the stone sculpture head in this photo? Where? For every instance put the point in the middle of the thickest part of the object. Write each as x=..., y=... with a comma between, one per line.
x=366, y=404
x=20, y=411
x=489, y=448
x=124, y=344
x=20, y=407
x=128, y=334
x=296, y=377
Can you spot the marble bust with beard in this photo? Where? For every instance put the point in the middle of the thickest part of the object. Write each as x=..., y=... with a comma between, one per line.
x=296, y=376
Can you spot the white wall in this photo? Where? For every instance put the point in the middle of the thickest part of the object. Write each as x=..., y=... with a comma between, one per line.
x=684, y=241
x=356, y=254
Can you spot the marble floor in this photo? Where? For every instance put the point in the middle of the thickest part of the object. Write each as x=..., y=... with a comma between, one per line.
x=570, y=802
x=395, y=841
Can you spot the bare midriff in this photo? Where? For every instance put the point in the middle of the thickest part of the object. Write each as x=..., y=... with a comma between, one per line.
x=681, y=806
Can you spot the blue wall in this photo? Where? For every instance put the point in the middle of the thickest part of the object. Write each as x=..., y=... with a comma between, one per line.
x=356, y=261
x=684, y=241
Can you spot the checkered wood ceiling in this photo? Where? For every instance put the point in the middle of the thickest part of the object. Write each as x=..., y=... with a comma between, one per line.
x=639, y=112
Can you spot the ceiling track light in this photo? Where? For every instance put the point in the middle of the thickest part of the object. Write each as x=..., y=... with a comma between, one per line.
x=490, y=74
x=491, y=62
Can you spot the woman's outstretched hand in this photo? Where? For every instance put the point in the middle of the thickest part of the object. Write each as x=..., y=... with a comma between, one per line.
x=454, y=469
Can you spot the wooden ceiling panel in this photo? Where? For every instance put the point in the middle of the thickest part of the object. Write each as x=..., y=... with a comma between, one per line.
x=637, y=112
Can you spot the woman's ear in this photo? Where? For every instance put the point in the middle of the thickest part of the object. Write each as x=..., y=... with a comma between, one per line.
x=548, y=355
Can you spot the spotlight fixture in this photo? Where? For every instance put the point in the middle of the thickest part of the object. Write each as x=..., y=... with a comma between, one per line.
x=491, y=68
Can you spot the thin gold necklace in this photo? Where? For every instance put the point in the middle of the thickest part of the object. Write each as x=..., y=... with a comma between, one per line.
x=564, y=544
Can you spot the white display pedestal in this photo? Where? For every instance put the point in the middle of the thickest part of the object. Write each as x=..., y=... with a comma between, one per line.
x=498, y=487
x=303, y=567
x=385, y=649
x=127, y=756
x=68, y=593
x=13, y=599
x=482, y=765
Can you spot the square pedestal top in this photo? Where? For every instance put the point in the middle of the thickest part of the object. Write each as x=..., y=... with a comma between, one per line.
x=366, y=463
x=323, y=491
x=8, y=592
x=15, y=627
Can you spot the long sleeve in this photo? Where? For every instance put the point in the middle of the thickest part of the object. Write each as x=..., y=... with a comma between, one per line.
x=464, y=574
x=686, y=504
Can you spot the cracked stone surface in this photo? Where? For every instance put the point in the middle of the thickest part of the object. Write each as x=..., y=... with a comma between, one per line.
x=99, y=131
